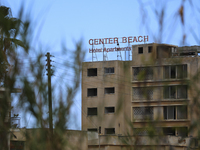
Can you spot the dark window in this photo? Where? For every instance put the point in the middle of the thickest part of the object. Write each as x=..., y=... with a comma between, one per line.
x=169, y=131
x=196, y=142
x=109, y=110
x=166, y=72
x=170, y=92
x=92, y=72
x=182, y=131
x=181, y=112
x=109, y=70
x=142, y=93
x=92, y=92
x=99, y=129
x=109, y=130
x=92, y=129
x=92, y=111
x=175, y=92
x=142, y=73
x=170, y=112
x=150, y=49
x=175, y=72
x=109, y=90
x=142, y=113
x=186, y=54
x=181, y=91
x=140, y=131
x=145, y=131
x=140, y=50
x=16, y=145
x=182, y=71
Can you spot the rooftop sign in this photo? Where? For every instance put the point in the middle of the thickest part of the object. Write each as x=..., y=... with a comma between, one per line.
x=115, y=40
x=96, y=50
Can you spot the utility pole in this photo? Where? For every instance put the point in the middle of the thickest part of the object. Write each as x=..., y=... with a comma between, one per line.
x=49, y=95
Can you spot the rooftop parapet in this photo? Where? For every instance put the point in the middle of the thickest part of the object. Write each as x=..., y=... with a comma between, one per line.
x=186, y=51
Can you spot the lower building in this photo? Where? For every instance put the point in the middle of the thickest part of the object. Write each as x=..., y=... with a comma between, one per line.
x=5, y=115
x=77, y=140
x=26, y=139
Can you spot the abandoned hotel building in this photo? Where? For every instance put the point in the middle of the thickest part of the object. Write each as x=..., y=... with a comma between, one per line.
x=150, y=91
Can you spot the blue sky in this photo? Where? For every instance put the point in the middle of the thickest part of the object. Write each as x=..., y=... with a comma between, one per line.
x=68, y=21
x=65, y=21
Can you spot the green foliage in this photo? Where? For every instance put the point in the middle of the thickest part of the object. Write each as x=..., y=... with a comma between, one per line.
x=34, y=90
x=9, y=32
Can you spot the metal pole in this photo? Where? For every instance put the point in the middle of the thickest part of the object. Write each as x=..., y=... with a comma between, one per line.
x=49, y=96
x=103, y=51
x=92, y=52
x=125, y=54
x=129, y=51
x=99, y=141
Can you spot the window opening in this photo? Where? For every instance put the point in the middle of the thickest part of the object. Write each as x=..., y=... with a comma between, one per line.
x=150, y=49
x=182, y=131
x=17, y=145
x=99, y=129
x=142, y=73
x=182, y=71
x=182, y=91
x=92, y=92
x=181, y=112
x=170, y=92
x=109, y=130
x=141, y=131
x=92, y=72
x=170, y=112
x=173, y=72
x=175, y=92
x=109, y=110
x=142, y=93
x=109, y=90
x=109, y=70
x=169, y=131
x=141, y=113
x=92, y=111
x=140, y=50
x=166, y=72
x=145, y=131
x=92, y=129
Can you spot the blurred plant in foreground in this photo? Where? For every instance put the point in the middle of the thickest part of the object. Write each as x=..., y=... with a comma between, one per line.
x=33, y=84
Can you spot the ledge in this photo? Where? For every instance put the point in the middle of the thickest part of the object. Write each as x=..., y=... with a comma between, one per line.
x=165, y=100
x=163, y=80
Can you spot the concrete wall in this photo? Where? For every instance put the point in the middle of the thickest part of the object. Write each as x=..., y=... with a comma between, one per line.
x=141, y=142
x=113, y=120
x=72, y=139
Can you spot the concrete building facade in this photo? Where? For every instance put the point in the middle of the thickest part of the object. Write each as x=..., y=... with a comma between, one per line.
x=150, y=102
x=152, y=91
